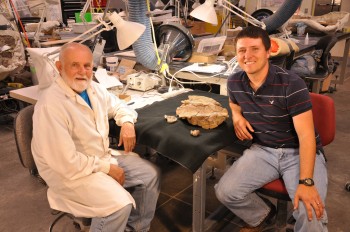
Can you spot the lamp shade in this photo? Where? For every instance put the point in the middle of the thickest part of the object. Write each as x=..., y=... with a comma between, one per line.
x=159, y=4
x=206, y=12
x=196, y=4
x=127, y=32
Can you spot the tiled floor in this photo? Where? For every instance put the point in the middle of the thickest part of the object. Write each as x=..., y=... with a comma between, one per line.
x=24, y=207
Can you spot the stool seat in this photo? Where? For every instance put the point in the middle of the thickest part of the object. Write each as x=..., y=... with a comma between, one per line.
x=275, y=189
x=276, y=186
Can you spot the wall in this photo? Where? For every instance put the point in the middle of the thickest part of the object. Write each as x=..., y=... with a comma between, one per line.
x=338, y=49
x=345, y=6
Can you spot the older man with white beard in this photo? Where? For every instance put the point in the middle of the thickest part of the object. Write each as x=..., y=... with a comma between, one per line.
x=71, y=150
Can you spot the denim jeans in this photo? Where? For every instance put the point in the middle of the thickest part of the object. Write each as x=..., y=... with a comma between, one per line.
x=142, y=181
x=259, y=165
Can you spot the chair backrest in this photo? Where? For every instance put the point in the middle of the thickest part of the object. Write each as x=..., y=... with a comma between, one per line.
x=23, y=128
x=326, y=43
x=324, y=117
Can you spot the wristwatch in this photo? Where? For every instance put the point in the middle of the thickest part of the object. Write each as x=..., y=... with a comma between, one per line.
x=307, y=182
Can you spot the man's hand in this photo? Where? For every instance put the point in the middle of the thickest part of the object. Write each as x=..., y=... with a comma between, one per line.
x=127, y=136
x=242, y=128
x=117, y=173
x=311, y=199
x=241, y=125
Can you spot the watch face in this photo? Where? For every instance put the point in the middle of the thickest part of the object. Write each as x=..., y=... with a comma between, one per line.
x=307, y=182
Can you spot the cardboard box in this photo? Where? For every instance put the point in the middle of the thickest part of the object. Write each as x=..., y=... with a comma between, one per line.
x=124, y=97
x=232, y=32
x=202, y=58
x=197, y=27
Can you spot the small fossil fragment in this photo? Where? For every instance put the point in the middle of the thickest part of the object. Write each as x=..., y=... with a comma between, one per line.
x=170, y=118
x=195, y=133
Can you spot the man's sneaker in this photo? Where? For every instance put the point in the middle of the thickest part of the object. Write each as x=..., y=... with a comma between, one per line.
x=267, y=221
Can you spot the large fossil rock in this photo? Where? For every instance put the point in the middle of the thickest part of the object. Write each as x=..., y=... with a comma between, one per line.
x=12, y=57
x=202, y=111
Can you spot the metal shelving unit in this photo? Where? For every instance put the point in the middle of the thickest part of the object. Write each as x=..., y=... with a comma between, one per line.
x=70, y=7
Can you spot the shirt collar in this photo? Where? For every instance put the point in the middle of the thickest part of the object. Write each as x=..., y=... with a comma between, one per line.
x=271, y=73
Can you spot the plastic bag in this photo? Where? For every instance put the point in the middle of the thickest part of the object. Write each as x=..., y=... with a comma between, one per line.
x=306, y=65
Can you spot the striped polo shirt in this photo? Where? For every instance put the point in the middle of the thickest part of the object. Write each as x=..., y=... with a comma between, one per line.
x=270, y=109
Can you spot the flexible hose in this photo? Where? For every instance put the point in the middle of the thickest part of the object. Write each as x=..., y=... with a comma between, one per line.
x=286, y=10
x=143, y=48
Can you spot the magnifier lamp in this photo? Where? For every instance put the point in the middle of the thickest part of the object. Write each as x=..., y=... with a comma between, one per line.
x=127, y=32
x=43, y=15
x=175, y=41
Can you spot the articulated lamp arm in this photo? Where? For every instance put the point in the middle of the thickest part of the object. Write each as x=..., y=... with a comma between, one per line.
x=247, y=17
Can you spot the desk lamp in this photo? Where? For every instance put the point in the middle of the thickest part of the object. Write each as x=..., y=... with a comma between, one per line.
x=206, y=12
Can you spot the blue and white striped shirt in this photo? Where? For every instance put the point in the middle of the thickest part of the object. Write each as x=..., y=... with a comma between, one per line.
x=270, y=109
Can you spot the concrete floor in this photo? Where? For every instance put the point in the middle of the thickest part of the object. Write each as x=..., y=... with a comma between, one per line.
x=24, y=206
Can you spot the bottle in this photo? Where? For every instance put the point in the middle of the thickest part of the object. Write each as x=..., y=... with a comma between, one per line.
x=306, y=42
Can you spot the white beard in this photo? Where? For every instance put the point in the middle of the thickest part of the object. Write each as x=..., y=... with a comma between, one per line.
x=77, y=85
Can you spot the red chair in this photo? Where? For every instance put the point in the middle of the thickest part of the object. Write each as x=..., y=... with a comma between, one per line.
x=324, y=119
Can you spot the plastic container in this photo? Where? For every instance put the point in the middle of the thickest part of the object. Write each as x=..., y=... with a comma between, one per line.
x=301, y=29
x=306, y=41
x=112, y=63
x=87, y=16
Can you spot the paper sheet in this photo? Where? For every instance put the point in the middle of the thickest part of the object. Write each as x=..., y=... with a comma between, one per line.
x=211, y=45
x=209, y=68
x=106, y=80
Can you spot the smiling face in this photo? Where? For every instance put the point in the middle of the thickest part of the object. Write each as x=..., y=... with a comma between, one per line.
x=252, y=56
x=75, y=66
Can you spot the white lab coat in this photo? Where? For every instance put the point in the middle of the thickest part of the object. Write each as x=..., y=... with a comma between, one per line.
x=71, y=149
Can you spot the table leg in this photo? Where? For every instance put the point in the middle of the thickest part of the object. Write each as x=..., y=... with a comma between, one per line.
x=316, y=86
x=199, y=195
x=344, y=63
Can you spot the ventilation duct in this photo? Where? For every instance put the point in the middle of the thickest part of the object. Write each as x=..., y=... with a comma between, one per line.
x=286, y=10
x=143, y=47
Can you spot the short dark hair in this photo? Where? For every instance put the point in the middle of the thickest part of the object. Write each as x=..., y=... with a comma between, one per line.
x=255, y=32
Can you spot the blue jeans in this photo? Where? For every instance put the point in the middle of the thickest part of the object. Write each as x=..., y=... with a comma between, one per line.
x=259, y=165
x=142, y=181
